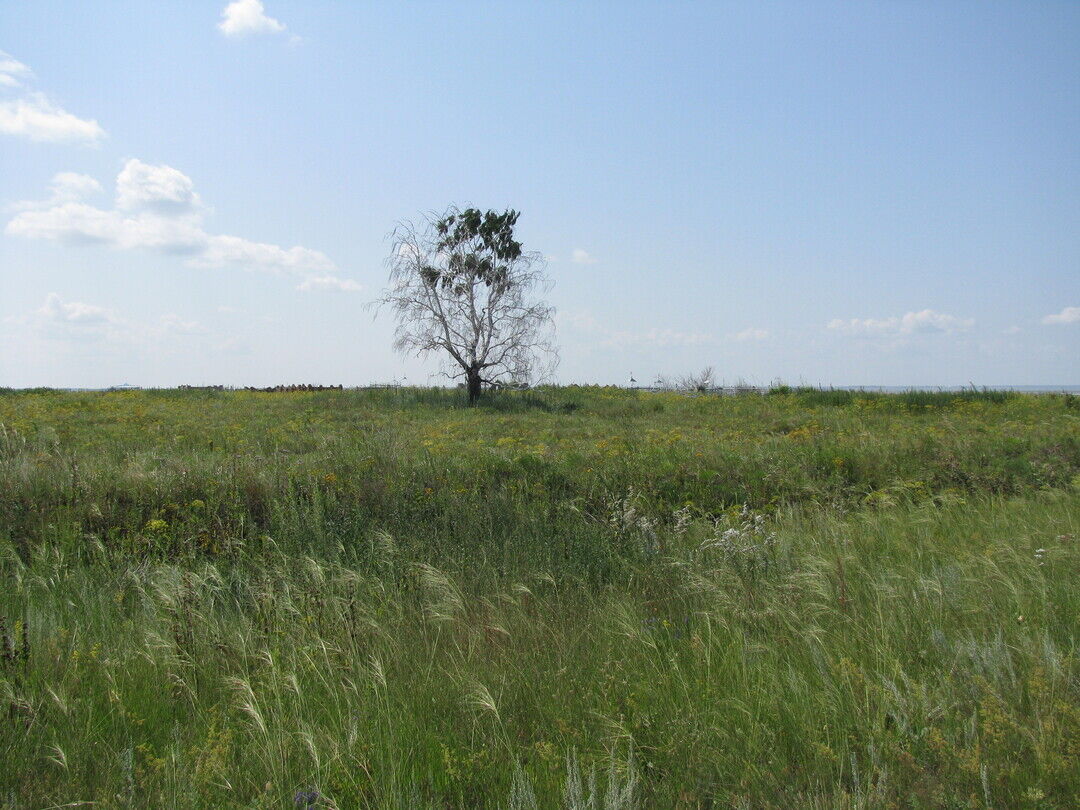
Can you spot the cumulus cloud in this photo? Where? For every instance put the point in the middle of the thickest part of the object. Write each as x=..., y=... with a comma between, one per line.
x=81, y=323
x=66, y=222
x=922, y=322
x=65, y=187
x=234, y=250
x=79, y=223
x=34, y=115
x=580, y=256
x=57, y=319
x=752, y=334
x=1067, y=315
x=73, y=312
x=37, y=118
x=157, y=209
x=161, y=189
x=247, y=17
x=330, y=284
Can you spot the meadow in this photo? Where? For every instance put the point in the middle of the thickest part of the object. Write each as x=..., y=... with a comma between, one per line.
x=566, y=597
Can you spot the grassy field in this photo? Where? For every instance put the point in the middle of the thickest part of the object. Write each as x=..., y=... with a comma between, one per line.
x=809, y=599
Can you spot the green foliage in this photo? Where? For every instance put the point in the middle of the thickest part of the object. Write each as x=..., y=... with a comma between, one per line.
x=477, y=244
x=578, y=597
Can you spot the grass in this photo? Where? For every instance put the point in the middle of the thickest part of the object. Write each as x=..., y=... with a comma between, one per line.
x=383, y=599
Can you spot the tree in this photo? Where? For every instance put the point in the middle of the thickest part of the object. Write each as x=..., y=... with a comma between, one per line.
x=704, y=380
x=462, y=287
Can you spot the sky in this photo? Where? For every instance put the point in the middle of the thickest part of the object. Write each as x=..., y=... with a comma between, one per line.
x=852, y=193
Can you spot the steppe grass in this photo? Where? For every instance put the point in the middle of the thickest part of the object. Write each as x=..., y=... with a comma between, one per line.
x=384, y=599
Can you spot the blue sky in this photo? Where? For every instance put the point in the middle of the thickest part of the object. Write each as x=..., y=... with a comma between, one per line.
x=836, y=193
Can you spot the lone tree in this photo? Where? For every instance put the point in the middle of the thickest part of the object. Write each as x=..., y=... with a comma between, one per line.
x=462, y=287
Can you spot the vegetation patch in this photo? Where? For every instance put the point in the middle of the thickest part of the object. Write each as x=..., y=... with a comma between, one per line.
x=389, y=599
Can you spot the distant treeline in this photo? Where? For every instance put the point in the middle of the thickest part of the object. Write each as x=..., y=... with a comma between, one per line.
x=281, y=389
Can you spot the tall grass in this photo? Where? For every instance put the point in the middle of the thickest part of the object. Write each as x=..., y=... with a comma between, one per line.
x=913, y=398
x=345, y=600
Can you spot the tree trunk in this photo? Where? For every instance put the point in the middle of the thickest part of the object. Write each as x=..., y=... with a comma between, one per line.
x=472, y=381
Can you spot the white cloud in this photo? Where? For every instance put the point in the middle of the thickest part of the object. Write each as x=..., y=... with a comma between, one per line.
x=156, y=209
x=75, y=321
x=73, y=312
x=1012, y=330
x=79, y=323
x=330, y=283
x=79, y=223
x=752, y=334
x=66, y=222
x=226, y=250
x=35, y=117
x=161, y=189
x=12, y=71
x=924, y=321
x=247, y=17
x=65, y=187
x=580, y=256
x=69, y=186
x=1067, y=315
